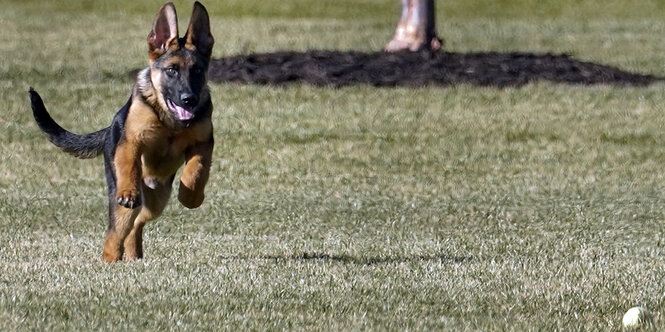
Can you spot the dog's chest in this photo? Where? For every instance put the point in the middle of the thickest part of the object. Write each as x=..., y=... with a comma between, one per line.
x=163, y=149
x=163, y=156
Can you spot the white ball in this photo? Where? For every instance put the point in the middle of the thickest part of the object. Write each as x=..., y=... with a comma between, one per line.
x=636, y=317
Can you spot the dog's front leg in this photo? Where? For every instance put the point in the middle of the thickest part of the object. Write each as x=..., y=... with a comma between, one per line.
x=127, y=162
x=127, y=166
x=195, y=175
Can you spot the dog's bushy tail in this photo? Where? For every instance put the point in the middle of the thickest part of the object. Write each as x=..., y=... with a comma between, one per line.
x=81, y=146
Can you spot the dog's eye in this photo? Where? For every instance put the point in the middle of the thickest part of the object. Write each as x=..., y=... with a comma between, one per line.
x=197, y=70
x=170, y=71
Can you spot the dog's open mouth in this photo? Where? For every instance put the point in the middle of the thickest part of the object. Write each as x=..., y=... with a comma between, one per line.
x=180, y=113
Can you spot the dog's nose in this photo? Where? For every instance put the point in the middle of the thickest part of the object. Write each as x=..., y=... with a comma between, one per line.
x=189, y=99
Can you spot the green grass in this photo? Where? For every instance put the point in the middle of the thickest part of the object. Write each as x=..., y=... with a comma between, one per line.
x=532, y=208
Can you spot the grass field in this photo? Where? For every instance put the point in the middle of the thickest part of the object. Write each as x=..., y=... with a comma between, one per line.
x=355, y=208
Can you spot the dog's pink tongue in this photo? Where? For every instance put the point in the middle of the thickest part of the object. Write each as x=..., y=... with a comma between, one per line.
x=182, y=113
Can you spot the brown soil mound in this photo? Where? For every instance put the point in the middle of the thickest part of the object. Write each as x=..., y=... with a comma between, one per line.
x=334, y=68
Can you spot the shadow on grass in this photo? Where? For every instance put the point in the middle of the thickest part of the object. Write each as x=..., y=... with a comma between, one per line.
x=347, y=259
x=336, y=68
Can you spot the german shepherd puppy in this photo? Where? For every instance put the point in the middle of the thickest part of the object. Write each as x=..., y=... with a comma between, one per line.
x=165, y=123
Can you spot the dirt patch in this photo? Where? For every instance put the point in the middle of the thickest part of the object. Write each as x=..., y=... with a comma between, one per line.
x=334, y=68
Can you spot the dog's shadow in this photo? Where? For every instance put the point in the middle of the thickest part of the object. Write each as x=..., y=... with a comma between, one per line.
x=348, y=259
x=337, y=68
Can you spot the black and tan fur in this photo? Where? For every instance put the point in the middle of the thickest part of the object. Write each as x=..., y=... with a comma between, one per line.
x=165, y=123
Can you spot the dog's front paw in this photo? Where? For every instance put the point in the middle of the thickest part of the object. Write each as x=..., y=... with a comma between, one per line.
x=130, y=199
x=190, y=201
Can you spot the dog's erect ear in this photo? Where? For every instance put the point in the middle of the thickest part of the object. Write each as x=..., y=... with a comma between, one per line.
x=164, y=34
x=198, y=35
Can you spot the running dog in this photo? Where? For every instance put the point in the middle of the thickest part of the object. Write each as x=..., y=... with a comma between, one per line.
x=165, y=123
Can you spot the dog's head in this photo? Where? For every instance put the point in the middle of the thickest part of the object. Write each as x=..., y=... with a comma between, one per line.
x=179, y=66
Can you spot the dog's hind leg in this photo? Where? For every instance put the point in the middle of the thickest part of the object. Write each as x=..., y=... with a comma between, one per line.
x=120, y=226
x=155, y=195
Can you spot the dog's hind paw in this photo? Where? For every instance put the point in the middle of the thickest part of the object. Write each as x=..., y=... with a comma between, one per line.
x=130, y=199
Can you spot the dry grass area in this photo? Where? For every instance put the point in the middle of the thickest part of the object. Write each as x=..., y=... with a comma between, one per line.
x=538, y=207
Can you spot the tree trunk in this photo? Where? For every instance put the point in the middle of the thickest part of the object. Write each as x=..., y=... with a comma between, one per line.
x=416, y=29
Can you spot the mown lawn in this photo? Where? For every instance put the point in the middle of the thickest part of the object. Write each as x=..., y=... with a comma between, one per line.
x=531, y=208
